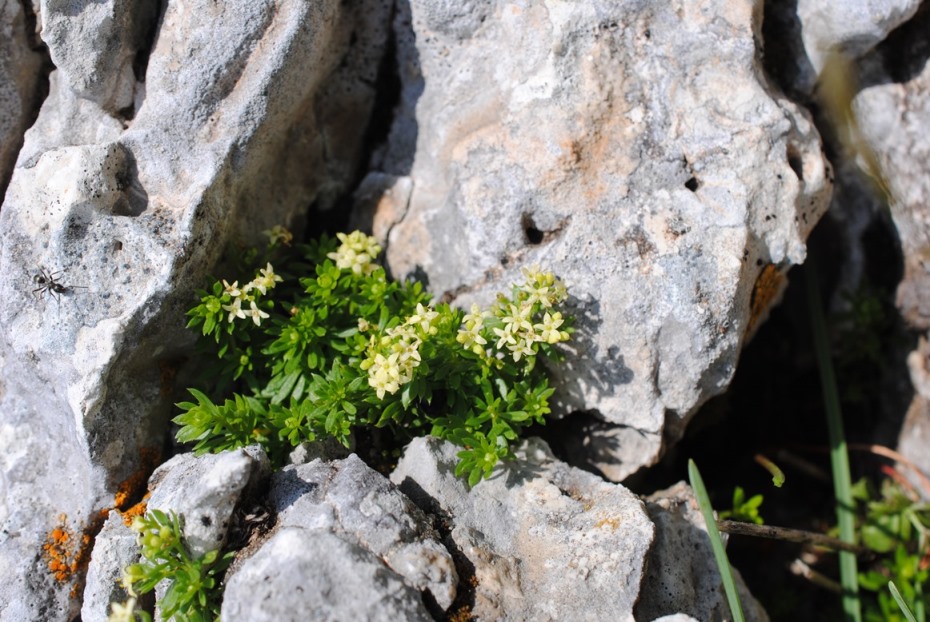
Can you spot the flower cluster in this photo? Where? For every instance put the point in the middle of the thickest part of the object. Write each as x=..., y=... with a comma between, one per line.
x=238, y=296
x=279, y=235
x=514, y=324
x=357, y=252
x=393, y=357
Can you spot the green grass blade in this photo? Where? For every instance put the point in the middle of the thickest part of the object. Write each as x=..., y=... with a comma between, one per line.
x=839, y=457
x=898, y=599
x=723, y=564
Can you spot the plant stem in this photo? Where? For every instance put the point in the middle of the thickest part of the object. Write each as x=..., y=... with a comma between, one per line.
x=720, y=554
x=839, y=458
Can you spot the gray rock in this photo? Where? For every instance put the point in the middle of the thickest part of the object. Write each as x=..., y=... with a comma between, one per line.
x=19, y=81
x=682, y=575
x=249, y=112
x=637, y=151
x=546, y=541
x=853, y=27
x=204, y=490
x=98, y=64
x=313, y=574
x=115, y=548
x=363, y=507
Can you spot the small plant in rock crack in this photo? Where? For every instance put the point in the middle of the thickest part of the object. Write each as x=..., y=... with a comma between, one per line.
x=195, y=590
x=319, y=355
x=895, y=525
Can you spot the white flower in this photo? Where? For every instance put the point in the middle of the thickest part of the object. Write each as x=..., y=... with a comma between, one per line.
x=520, y=349
x=120, y=612
x=235, y=309
x=423, y=317
x=356, y=253
x=279, y=234
x=233, y=290
x=255, y=313
x=266, y=281
x=549, y=329
x=505, y=338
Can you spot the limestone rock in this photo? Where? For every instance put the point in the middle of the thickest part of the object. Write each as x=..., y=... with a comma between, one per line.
x=302, y=574
x=545, y=541
x=245, y=113
x=639, y=152
x=682, y=575
x=20, y=76
x=361, y=506
x=204, y=490
x=115, y=548
x=853, y=28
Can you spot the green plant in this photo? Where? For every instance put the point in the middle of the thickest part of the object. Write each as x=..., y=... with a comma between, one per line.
x=720, y=554
x=743, y=509
x=896, y=527
x=194, y=591
x=342, y=347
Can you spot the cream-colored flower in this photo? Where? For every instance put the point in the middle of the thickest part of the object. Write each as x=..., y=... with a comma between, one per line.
x=549, y=328
x=235, y=309
x=256, y=314
x=123, y=612
x=279, y=234
x=266, y=280
x=423, y=318
x=356, y=253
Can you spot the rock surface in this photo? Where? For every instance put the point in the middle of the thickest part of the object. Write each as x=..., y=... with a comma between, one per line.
x=638, y=152
x=243, y=115
x=20, y=77
x=544, y=541
x=682, y=576
x=115, y=548
x=362, y=507
x=312, y=574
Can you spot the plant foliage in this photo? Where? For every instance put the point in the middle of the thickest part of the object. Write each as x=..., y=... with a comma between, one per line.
x=330, y=344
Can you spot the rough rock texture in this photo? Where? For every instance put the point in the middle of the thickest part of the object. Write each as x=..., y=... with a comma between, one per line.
x=639, y=152
x=893, y=108
x=544, y=541
x=249, y=112
x=204, y=490
x=312, y=574
x=114, y=548
x=19, y=81
x=682, y=575
x=362, y=507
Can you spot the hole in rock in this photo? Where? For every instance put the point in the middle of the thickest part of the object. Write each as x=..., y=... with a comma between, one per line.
x=533, y=235
x=795, y=162
x=692, y=184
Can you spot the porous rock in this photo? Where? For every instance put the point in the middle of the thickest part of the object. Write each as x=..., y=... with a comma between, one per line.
x=545, y=541
x=314, y=574
x=115, y=548
x=682, y=575
x=636, y=150
x=244, y=113
x=362, y=506
x=204, y=490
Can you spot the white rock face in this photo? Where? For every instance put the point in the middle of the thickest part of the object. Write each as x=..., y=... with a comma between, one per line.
x=127, y=188
x=638, y=151
x=361, y=506
x=546, y=541
x=311, y=574
x=115, y=548
x=853, y=27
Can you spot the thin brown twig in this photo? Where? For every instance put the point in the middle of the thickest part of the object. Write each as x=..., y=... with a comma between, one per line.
x=789, y=535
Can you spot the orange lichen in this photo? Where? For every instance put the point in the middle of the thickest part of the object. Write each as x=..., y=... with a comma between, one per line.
x=130, y=490
x=136, y=510
x=67, y=555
